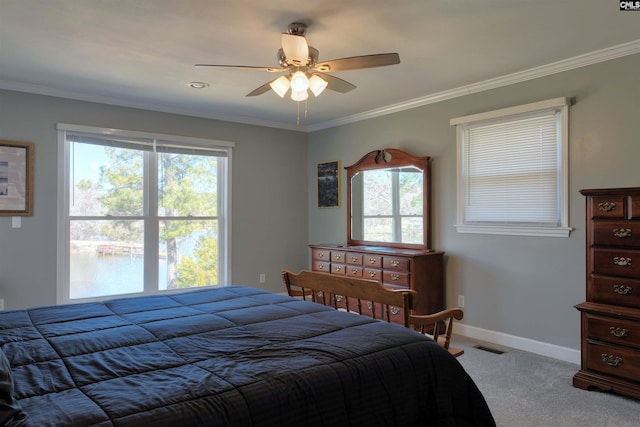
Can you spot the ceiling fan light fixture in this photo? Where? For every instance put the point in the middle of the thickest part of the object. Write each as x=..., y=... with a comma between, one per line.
x=299, y=95
x=299, y=81
x=280, y=86
x=317, y=84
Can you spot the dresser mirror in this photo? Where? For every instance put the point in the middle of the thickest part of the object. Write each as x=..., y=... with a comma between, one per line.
x=388, y=200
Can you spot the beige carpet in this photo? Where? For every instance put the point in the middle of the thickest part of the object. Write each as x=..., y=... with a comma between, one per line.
x=523, y=389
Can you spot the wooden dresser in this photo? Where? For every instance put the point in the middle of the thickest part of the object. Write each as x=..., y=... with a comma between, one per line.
x=420, y=270
x=610, y=317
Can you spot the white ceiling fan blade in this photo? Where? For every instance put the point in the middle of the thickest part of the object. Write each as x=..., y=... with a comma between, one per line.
x=296, y=49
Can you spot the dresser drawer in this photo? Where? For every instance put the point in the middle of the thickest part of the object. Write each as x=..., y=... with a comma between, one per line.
x=323, y=266
x=635, y=207
x=613, y=360
x=394, y=278
x=616, y=233
x=338, y=256
x=372, y=274
x=616, y=262
x=354, y=259
x=340, y=269
x=615, y=290
x=608, y=206
x=321, y=255
x=372, y=261
x=355, y=271
x=613, y=330
x=396, y=264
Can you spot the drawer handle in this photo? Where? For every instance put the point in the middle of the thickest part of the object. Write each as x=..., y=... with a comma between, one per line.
x=395, y=263
x=337, y=257
x=619, y=332
x=611, y=360
x=354, y=271
x=622, y=232
x=607, y=206
x=394, y=310
x=338, y=268
x=622, y=261
x=395, y=277
x=372, y=261
x=321, y=267
x=622, y=289
x=320, y=255
x=354, y=259
x=373, y=274
x=339, y=298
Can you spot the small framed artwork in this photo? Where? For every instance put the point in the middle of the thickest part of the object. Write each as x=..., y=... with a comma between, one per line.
x=16, y=178
x=329, y=184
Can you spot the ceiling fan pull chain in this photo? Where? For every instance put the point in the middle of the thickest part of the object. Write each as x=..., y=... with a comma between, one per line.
x=298, y=121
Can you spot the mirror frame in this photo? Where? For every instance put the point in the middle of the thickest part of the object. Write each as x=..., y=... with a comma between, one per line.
x=390, y=158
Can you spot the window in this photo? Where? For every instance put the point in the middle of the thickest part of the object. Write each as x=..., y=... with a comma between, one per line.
x=512, y=170
x=140, y=213
x=392, y=205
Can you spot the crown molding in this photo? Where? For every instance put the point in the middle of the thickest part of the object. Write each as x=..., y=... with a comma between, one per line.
x=579, y=61
x=77, y=96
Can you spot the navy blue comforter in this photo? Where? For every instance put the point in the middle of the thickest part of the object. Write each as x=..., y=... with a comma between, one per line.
x=229, y=356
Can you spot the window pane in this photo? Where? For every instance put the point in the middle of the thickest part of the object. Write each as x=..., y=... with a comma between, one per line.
x=378, y=198
x=378, y=229
x=411, y=197
x=187, y=184
x=105, y=180
x=106, y=258
x=412, y=230
x=188, y=254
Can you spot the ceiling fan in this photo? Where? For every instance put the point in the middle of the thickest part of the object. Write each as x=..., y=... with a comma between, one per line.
x=303, y=71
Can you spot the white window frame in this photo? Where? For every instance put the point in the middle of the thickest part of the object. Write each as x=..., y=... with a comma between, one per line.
x=559, y=106
x=150, y=288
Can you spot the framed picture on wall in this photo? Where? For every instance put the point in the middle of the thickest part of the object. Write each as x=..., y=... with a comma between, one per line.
x=329, y=184
x=16, y=178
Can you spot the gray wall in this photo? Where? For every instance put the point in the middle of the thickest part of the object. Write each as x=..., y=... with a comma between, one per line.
x=521, y=286
x=269, y=194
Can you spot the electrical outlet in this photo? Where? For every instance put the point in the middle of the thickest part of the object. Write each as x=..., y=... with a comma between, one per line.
x=263, y=277
x=461, y=301
x=1, y=303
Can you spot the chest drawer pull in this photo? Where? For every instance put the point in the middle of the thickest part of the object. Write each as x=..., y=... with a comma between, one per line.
x=622, y=289
x=372, y=261
x=395, y=263
x=622, y=232
x=611, y=360
x=321, y=267
x=320, y=255
x=354, y=259
x=394, y=310
x=606, y=206
x=338, y=268
x=622, y=261
x=373, y=274
x=619, y=332
x=395, y=276
x=354, y=271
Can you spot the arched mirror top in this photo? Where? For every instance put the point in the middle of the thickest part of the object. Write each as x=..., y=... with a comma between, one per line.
x=388, y=200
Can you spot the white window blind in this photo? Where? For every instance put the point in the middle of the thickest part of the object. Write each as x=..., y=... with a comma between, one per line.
x=512, y=170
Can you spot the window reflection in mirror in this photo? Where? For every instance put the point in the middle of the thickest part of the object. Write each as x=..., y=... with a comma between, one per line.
x=387, y=205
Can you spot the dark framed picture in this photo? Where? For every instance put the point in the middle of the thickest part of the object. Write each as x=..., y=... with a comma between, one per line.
x=329, y=184
x=16, y=178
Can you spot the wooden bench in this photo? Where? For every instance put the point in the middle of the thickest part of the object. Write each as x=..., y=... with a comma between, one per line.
x=328, y=289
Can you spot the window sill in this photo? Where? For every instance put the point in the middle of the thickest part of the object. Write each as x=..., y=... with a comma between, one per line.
x=514, y=230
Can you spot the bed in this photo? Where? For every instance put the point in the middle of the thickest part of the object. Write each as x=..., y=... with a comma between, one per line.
x=226, y=356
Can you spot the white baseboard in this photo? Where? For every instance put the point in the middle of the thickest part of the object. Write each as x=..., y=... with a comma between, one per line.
x=537, y=347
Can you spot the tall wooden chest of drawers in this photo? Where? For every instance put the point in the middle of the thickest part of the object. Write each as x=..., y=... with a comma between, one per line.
x=610, y=317
x=419, y=270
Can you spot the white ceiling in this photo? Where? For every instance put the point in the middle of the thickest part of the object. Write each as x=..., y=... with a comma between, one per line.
x=141, y=53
